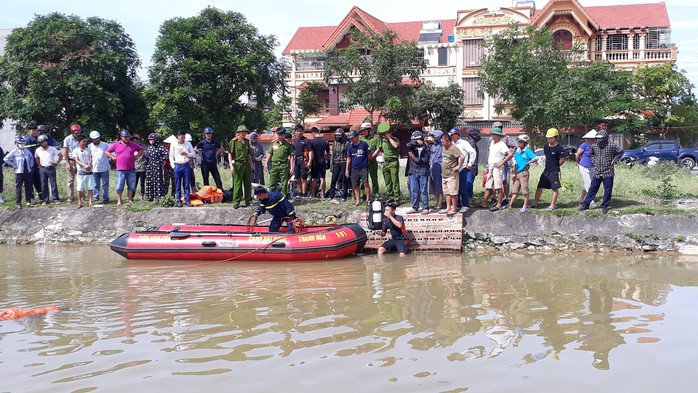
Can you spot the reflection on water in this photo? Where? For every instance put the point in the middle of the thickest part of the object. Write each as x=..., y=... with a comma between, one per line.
x=424, y=323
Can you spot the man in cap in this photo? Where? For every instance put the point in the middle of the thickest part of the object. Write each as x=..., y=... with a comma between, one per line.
x=604, y=154
x=100, y=172
x=319, y=156
x=125, y=153
x=257, y=154
x=47, y=159
x=451, y=162
x=277, y=205
x=390, y=147
x=23, y=162
x=301, y=165
x=338, y=161
x=240, y=162
x=499, y=154
x=463, y=178
x=281, y=157
x=418, y=158
x=69, y=144
x=209, y=149
x=43, y=130
x=357, y=166
x=550, y=178
x=32, y=146
x=523, y=158
x=367, y=135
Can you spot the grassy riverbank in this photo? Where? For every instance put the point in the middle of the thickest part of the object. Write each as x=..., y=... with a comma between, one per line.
x=646, y=190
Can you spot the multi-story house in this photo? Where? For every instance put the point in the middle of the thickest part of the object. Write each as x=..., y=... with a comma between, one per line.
x=626, y=35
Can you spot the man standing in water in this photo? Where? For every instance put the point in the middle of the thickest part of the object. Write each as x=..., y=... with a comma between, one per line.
x=396, y=225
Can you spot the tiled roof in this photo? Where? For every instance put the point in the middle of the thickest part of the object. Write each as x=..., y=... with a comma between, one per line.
x=309, y=38
x=616, y=16
x=313, y=38
x=629, y=15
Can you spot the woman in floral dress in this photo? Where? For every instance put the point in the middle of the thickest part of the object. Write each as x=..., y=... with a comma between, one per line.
x=156, y=156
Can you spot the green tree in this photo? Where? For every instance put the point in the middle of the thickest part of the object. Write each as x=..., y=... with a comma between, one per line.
x=206, y=66
x=665, y=93
x=373, y=67
x=522, y=66
x=307, y=102
x=61, y=69
x=440, y=107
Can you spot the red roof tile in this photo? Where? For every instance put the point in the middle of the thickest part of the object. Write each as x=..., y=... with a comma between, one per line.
x=313, y=38
x=629, y=15
x=309, y=38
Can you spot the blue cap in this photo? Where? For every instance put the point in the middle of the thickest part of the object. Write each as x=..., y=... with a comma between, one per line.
x=125, y=133
x=454, y=130
x=208, y=130
x=353, y=133
x=254, y=135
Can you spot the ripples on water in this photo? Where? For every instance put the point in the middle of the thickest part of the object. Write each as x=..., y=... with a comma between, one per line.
x=425, y=323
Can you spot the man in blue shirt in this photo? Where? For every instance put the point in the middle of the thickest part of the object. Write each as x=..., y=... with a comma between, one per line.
x=357, y=166
x=209, y=149
x=277, y=205
x=523, y=157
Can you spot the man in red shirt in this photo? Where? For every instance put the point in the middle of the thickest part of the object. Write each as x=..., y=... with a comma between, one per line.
x=125, y=153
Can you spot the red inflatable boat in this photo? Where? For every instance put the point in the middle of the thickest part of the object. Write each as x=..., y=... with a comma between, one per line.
x=240, y=242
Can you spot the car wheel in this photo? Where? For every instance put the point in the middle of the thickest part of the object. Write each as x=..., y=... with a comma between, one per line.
x=688, y=163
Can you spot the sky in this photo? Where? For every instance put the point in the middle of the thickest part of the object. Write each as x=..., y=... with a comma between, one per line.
x=142, y=18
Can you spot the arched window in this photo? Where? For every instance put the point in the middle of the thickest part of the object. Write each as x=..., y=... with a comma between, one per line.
x=563, y=39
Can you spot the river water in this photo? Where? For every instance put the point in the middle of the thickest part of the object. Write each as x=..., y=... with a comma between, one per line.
x=426, y=323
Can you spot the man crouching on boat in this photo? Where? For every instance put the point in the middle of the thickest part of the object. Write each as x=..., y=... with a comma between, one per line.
x=396, y=225
x=277, y=205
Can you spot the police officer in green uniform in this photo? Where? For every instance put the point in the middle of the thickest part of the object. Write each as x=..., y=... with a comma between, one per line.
x=241, y=168
x=366, y=132
x=389, y=146
x=281, y=156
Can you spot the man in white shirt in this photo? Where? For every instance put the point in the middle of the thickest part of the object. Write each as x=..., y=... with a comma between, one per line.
x=47, y=159
x=100, y=172
x=180, y=154
x=470, y=156
x=499, y=154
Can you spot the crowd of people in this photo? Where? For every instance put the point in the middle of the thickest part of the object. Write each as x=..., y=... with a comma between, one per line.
x=440, y=165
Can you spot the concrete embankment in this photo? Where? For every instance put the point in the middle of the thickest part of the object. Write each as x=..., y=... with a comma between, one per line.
x=483, y=230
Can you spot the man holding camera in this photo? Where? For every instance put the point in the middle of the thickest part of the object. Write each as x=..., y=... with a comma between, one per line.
x=418, y=172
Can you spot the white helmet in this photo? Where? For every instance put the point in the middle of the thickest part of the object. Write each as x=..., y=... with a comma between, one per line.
x=187, y=138
x=523, y=138
x=94, y=135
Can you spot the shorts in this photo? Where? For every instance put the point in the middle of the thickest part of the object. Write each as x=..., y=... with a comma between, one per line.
x=300, y=171
x=549, y=180
x=85, y=182
x=587, y=173
x=398, y=245
x=359, y=175
x=450, y=185
x=506, y=171
x=495, y=179
x=435, y=186
x=521, y=183
x=128, y=177
x=318, y=170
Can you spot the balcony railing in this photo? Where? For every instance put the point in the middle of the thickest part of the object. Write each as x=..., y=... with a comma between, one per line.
x=637, y=54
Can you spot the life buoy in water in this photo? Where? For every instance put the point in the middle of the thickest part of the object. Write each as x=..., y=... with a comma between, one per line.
x=12, y=314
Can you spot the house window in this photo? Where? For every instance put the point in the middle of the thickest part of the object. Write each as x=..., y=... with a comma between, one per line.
x=598, y=44
x=470, y=90
x=419, y=58
x=617, y=42
x=443, y=56
x=636, y=41
x=472, y=53
x=657, y=38
x=563, y=39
